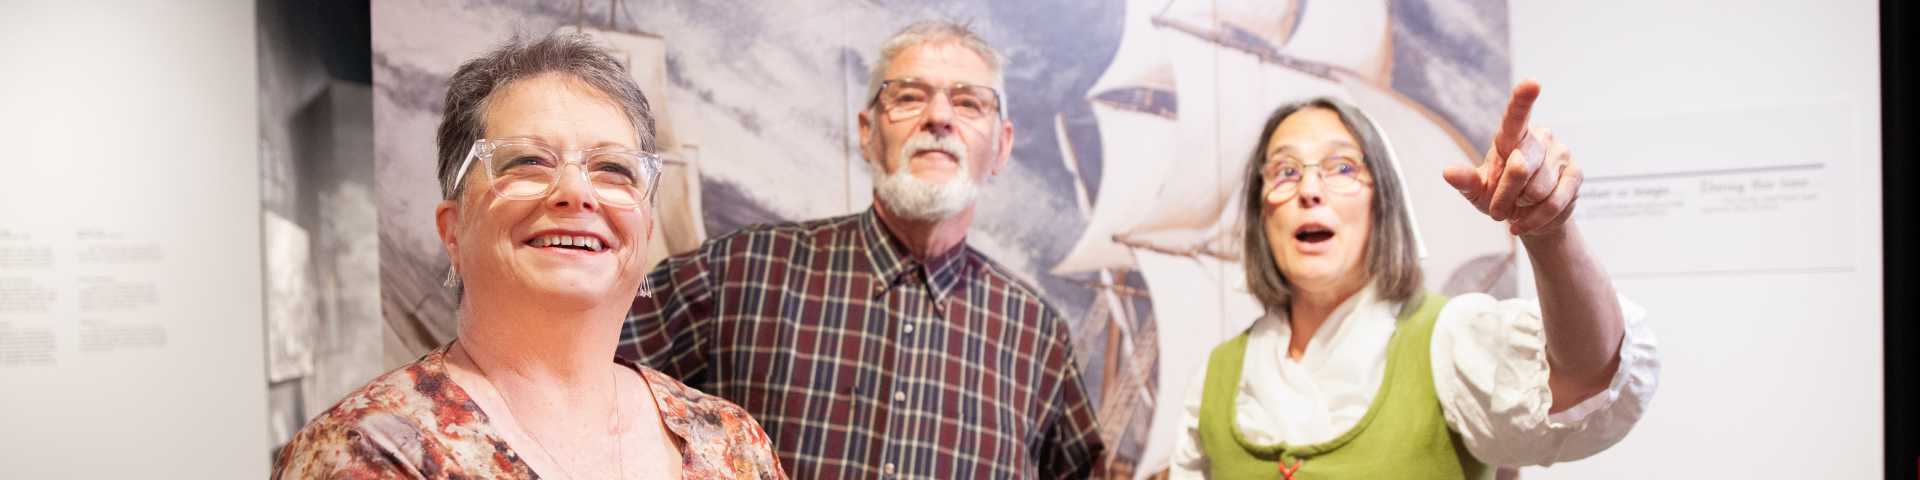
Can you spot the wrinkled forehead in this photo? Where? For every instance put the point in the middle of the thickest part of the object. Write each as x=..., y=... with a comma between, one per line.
x=559, y=110
x=1311, y=131
x=942, y=63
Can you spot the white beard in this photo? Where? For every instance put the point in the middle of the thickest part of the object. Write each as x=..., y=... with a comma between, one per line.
x=911, y=198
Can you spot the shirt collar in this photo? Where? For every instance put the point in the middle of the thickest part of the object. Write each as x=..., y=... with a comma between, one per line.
x=894, y=265
x=677, y=413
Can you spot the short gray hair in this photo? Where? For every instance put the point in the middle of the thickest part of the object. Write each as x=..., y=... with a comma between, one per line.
x=1391, y=260
x=575, y=55
x=937, y=32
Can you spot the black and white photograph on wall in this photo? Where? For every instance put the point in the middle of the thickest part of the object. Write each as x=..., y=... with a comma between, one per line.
x=319, y=250
x=1134, y=122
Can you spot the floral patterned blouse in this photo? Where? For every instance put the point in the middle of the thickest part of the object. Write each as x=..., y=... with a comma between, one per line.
x=415, y=423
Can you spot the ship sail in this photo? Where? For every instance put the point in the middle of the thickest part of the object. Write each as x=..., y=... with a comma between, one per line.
x=1134, y=105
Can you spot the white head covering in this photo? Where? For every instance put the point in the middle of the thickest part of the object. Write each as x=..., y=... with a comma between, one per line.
x=1419, y=245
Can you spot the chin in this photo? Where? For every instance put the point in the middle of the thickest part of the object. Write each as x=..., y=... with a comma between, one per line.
x=936, y=177
x=580, y=296
x=1316, y=272
x=570, y=282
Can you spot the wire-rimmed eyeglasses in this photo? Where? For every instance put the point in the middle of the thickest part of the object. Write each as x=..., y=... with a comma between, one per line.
x=905, y=98
x=1339, y=174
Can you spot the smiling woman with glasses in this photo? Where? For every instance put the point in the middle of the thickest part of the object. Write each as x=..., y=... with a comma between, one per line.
x=547, y=177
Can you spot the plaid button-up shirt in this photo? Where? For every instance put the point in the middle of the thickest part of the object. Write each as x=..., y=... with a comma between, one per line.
x=862, y=362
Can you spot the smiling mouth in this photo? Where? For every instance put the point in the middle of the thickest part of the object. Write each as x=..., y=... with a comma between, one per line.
x=576, y=242
x=1313, y=234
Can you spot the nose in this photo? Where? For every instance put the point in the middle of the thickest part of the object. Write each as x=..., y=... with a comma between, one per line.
x=1311, y=195
x=572, y=190
x=939, y=114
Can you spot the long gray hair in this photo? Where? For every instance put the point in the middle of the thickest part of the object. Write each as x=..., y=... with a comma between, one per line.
x=575, y=55
x=1391, y=259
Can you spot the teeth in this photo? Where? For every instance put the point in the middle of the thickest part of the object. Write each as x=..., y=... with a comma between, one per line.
x=589, y=243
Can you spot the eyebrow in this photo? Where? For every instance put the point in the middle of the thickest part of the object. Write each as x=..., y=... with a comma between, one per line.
x=602, y=144
x=610, y=143
x=1336, y=144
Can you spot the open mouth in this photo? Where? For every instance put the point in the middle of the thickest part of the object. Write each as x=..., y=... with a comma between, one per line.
x=1312, y=234
x=575, y=242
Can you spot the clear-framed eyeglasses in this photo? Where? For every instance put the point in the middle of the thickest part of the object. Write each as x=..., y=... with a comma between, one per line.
x=1338, y=174
x=905, y=98
x=527, y=169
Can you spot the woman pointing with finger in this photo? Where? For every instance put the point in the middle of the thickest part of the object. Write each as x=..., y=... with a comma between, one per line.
x=1356, y=372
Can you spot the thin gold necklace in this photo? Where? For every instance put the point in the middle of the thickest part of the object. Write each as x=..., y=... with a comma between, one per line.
x=613, y=419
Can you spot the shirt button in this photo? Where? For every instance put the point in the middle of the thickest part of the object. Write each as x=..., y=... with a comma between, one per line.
x=899, y=396
x=909, y=328
x=888, y=468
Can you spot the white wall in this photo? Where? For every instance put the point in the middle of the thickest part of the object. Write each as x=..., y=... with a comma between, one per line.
x=136, y=121
x=1767, y=374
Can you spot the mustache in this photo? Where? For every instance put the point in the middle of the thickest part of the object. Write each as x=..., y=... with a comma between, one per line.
x=927, y=142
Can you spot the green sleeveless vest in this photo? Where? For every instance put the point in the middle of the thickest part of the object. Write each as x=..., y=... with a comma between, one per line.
x=1403, y=435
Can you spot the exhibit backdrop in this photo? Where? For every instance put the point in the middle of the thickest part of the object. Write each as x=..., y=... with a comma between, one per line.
x=1133, y=124
x=318, y=219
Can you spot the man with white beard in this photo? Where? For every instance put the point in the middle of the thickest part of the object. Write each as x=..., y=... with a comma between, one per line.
x=879, y=344
x=909, y=197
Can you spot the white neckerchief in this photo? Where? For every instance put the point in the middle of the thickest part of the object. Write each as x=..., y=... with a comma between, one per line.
x=1324, y=394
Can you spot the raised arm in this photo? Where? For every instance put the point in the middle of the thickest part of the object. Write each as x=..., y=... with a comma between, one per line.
x=1530, y=181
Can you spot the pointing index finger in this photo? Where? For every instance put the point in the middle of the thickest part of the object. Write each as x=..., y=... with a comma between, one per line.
x=1513, y=126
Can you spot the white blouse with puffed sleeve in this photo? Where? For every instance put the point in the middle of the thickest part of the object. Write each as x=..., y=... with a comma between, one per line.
x=1489, y=370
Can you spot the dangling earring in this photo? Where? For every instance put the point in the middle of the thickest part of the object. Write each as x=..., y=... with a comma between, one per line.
x=453, y=277
x=646, y=286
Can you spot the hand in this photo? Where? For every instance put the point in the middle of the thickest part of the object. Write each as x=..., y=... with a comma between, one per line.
x=1528, y=179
